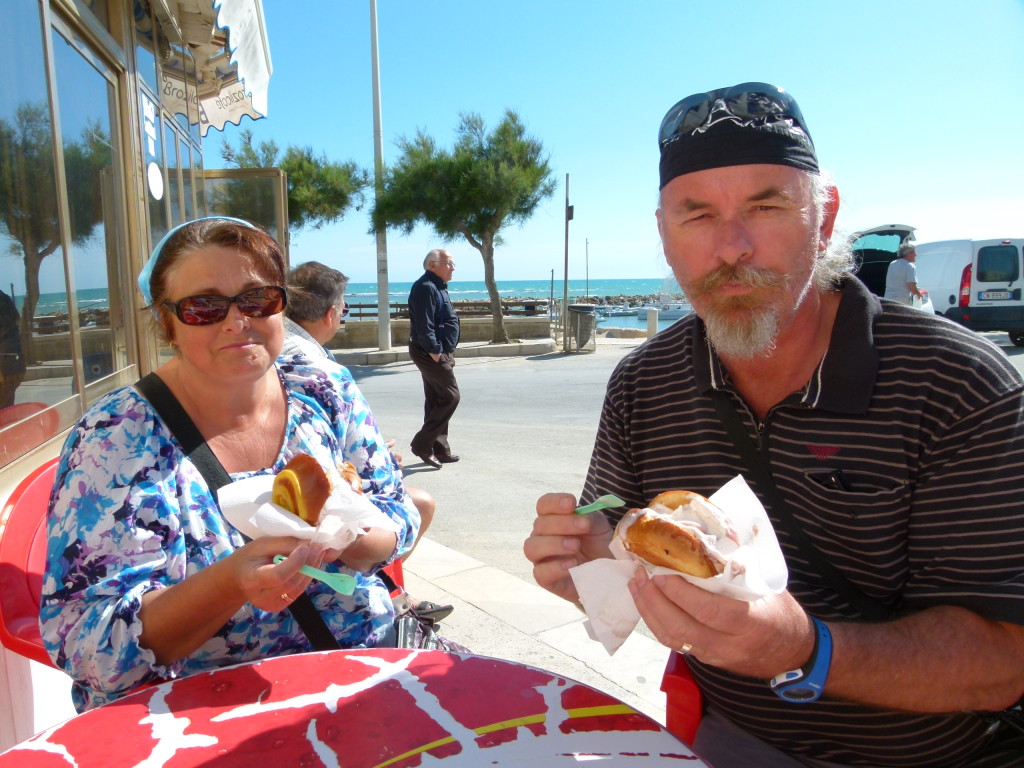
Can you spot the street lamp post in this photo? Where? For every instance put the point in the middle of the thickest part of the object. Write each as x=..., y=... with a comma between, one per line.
x=565, y=286
x=383, y=300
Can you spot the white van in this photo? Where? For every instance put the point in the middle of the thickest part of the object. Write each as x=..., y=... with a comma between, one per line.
x=977, y=283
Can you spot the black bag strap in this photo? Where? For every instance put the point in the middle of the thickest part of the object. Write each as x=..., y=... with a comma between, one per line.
x=185, y=430
x=389, y=583
x=868, y=607
x=195, y=447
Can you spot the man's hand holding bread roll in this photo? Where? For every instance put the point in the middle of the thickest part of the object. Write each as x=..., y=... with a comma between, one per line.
x=755, y=638
x=688, y=533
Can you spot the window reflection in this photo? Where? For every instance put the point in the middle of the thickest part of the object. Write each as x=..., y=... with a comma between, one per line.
x=31, y=255
x=185, y=157
x=145, y=43
x=247, y=194
x=99, y=10
x=197, y=175
x=173, y=175
x=89, y=132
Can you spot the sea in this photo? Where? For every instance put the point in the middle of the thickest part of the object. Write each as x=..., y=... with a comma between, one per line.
x=467, y=290
x=633, y=290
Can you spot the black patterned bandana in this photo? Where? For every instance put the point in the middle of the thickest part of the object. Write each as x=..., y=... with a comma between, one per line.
x=750, y=123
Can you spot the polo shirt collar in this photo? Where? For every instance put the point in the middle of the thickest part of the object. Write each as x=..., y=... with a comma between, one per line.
x=845, y=378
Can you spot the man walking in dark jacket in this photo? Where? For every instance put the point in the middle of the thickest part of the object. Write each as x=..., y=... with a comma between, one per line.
x=433, y=336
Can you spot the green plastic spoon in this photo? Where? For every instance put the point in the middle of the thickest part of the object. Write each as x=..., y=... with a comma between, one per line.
x=339, y=582
x=607, y=501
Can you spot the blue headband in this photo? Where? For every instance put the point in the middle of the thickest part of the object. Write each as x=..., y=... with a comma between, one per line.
x=147, y=271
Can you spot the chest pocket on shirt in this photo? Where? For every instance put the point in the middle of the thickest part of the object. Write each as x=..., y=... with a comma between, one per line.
x=854, y=493
x=860, y=520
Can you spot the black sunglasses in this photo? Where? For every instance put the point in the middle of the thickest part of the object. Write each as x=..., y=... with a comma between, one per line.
x=208, y=309
x=746, y=101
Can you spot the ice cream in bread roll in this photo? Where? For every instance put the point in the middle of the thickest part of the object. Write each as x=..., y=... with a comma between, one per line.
x=302, y=488
x=680, y=530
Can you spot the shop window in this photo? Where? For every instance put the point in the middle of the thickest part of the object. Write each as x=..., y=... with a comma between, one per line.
x=185, y=160
x=200, y=187
x=88, y=112
x=98, y=8
x=256, y=194
x=71, y=342
x=34, y=343
x=173, y=174
x=153, y=163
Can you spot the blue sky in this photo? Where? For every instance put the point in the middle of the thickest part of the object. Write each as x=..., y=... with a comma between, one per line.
x=915, y=107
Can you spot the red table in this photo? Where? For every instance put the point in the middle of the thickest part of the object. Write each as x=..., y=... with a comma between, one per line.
x=358, y=709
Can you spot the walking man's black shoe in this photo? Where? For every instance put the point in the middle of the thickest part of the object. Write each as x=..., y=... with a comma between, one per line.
x=449, y=459
x=429, y=460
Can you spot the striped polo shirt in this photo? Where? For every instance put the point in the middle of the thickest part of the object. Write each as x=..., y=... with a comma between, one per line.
x=924, y=419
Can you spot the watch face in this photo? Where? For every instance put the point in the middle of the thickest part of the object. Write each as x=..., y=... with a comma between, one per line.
x=798, y=693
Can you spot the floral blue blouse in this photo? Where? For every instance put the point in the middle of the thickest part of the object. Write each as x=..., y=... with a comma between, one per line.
x=130, y=513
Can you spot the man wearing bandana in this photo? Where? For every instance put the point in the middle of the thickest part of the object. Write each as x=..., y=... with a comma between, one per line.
x=892, y=441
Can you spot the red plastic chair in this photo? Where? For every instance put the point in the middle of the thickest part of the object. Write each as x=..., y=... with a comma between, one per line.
x=22, y=562
x=684, y=701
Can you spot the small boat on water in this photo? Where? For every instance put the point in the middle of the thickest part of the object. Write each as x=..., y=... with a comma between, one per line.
x=671, y=310
x=620, y=310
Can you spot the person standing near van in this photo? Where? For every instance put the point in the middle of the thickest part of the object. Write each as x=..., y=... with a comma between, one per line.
x=433, y=336
x=901, y=277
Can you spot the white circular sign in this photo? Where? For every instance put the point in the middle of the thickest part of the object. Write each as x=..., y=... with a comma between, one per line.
x=156, y=180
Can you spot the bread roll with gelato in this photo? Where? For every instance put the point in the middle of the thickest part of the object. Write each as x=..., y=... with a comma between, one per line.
x=680, y=530
x=302, y=488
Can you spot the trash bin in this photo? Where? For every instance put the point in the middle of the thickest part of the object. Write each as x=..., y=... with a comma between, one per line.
x=582, y=321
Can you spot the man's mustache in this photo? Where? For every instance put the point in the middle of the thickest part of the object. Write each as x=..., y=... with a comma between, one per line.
x=737, y=274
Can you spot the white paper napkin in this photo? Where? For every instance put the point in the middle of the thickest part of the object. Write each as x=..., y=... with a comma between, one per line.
x=752, y=571
x=346, y=514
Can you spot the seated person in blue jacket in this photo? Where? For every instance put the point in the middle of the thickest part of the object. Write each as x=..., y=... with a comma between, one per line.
x=145, y=577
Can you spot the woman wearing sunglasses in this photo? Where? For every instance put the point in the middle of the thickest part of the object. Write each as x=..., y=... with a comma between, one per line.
x=145, y=578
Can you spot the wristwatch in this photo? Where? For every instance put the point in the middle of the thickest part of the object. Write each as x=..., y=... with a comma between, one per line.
x=805, y=685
